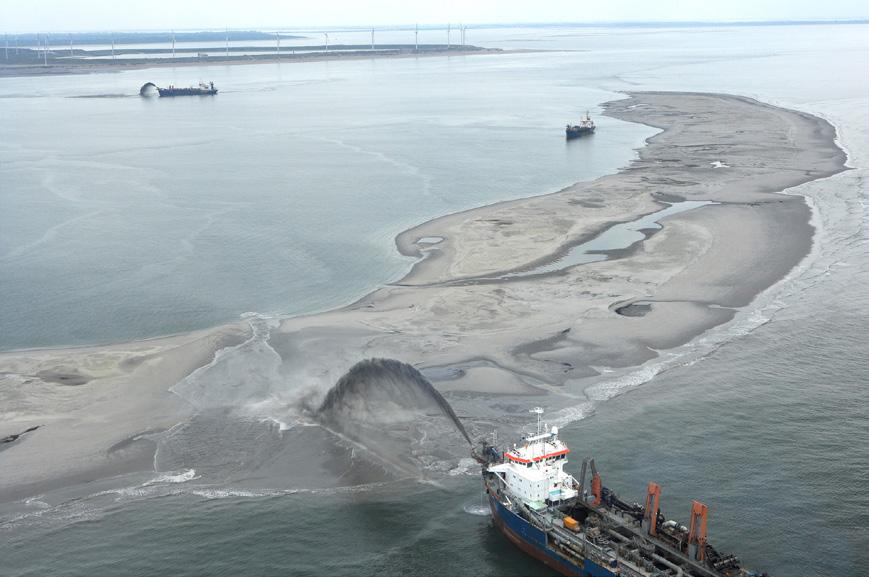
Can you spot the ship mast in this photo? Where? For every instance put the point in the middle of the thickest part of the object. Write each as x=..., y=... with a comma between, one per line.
x=539, y=412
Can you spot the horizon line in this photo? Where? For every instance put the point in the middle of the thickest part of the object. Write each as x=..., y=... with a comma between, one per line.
x=476, y=25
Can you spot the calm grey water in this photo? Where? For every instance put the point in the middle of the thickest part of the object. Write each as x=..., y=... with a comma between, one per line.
x=125, y=217
x=765, y=419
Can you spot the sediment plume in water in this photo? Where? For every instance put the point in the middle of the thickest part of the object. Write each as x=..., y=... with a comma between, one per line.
x=383, y=391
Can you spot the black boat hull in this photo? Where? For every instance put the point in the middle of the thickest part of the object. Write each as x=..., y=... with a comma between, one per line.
x=186, y=91
x=576, y=133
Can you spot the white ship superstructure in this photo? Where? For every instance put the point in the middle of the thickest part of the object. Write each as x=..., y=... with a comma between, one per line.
x=534, y=470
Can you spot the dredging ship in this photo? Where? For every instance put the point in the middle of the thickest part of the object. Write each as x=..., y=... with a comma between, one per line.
x=585, y=126
x=587, y=531
x=202, y=90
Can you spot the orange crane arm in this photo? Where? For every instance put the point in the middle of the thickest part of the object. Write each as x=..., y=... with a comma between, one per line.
x=650, y=511
x=697, y=532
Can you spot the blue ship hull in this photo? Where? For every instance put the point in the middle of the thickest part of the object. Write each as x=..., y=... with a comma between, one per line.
x=532, y=541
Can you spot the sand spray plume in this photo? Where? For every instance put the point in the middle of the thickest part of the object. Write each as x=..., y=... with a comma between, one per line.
x=381, y=390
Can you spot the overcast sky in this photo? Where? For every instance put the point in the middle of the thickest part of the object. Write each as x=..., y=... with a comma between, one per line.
x=91, y=15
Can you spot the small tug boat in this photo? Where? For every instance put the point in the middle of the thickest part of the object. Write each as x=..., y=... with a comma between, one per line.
x=585, y=126
x=586, y=530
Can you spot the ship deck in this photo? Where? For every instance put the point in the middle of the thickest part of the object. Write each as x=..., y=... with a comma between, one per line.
x=611, y=538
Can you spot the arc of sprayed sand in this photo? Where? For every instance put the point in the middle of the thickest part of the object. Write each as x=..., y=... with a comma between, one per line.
x=368, y=371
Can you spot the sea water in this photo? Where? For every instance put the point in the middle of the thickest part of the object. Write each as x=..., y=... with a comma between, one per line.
x=127, y=217
x=764, y=419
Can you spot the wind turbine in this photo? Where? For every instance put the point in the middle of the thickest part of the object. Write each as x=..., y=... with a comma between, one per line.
x=372, y=38
x=326, y=34
x=416, y=38
x=448, y=36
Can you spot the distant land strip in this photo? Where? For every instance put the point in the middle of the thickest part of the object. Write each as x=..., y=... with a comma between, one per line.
x=32, y=62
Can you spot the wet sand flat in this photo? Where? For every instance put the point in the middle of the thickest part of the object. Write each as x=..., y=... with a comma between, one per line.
x=535, y=335
x=733, y=151
x=95, y=426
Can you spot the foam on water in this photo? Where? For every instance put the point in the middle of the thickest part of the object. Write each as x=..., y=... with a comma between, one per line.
x=465, y=466
x=570, y=414
x=235, y=493
x=97, y=505
x=477, y=510
x=282, y=425
x=171, y=477
x=36, y=501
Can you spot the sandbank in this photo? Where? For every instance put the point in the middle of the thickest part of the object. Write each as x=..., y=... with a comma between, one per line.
x=512, y=338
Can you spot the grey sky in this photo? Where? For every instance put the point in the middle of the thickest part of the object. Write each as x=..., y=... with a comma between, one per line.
x=72, y=15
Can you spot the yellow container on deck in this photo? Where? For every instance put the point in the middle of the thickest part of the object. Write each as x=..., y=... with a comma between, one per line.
x=571, y=523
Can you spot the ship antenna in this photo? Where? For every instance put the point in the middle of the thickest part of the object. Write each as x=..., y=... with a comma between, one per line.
x=539, y=412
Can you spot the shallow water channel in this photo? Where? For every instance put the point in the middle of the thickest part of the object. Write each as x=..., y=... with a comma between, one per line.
x=619, y=236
